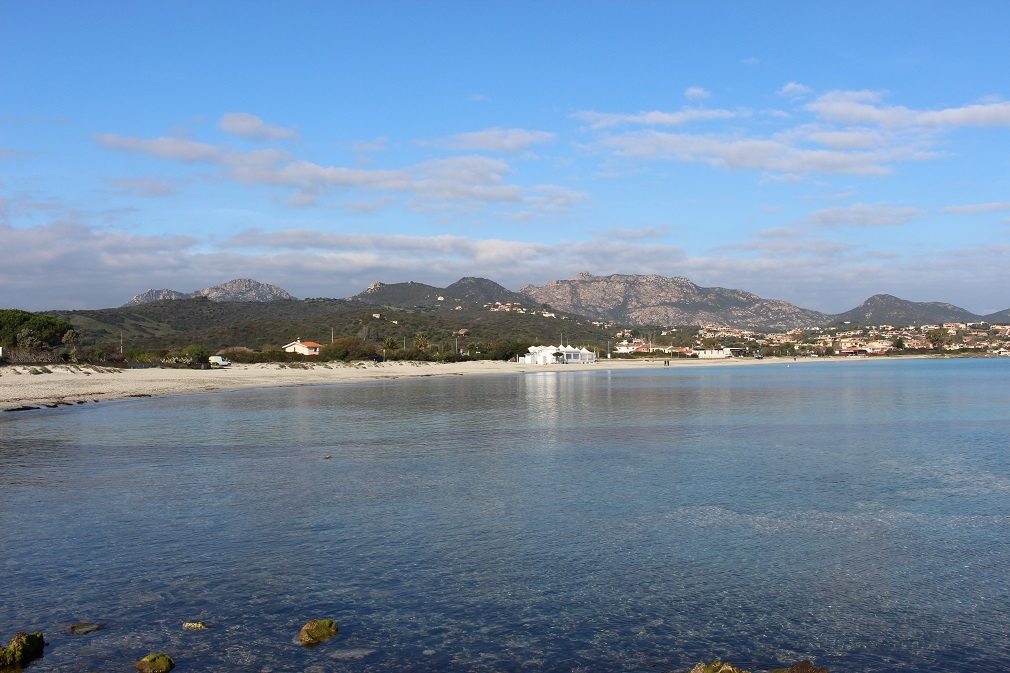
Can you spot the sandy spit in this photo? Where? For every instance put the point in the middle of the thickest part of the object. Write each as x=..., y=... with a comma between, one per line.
x=28, y=387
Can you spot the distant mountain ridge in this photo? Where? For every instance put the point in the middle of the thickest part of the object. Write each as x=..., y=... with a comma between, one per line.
x=658, y=300
x=885, y=309
x=240, y=289
x=619, y=298
x=468, y=291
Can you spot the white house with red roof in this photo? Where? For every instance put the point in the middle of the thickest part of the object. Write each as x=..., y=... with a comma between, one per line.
x=303, y=347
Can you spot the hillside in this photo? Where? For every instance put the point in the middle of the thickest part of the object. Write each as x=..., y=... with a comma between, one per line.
x=657, y=300
x=259, y=325
x=885, y=309
x=467, y=292
x=998, y=318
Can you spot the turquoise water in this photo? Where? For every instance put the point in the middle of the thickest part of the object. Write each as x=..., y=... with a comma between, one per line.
x=856, y=514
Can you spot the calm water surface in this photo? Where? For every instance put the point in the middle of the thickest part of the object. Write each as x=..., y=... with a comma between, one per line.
x=856, y=514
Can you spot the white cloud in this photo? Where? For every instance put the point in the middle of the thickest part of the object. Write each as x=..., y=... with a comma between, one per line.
x=853, y=134
x=638, y=233
x=178, y=149
x=850, y=139
x=466, y=182
x=864, y=107
x=250, y=126
x=747, y=154
x=863, y=215
x=505, y=141
x=601, y=120
x=696, y=93
x=976, y=208
x=994, y=114
x=142, y=186
x=795, y=90
x=366, y=207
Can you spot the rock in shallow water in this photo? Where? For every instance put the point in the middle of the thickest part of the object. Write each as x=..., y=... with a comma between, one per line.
x=316, y=631
x=155, y=663
x=718, y=666
x=24, y=647
x=802, y=667
x=83, y=628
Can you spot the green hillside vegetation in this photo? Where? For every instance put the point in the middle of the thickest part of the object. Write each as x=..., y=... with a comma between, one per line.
x=161, y=327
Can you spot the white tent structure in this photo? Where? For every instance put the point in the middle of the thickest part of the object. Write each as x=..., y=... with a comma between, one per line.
x=547, y=355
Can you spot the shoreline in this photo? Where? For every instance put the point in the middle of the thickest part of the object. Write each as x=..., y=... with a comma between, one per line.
x=34, y=387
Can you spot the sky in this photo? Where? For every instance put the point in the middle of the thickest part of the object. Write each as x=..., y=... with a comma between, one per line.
x=817, y=153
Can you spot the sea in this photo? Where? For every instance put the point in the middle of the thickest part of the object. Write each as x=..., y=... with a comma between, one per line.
x=855, y=514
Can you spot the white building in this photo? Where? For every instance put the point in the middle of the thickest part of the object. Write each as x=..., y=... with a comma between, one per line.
x=714, y=353
x=303, y=347
x=569, y=355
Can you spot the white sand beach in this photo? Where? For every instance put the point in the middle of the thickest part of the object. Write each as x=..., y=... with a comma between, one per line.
x=33, y=386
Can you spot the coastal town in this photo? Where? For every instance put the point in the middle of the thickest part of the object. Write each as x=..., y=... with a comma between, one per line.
x=708, y=341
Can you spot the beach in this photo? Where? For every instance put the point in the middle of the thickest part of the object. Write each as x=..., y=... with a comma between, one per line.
x=27, y=387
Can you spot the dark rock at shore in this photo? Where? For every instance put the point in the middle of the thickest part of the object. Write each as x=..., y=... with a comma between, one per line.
x=24, y=647
x=316, y=631
x=155, y=663
x=718, y=666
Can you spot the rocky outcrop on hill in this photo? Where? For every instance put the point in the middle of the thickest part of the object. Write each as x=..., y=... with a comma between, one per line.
x=885, y=309
x=155, y=295
x=240, y=289
x=658, y=300
x=243, y=289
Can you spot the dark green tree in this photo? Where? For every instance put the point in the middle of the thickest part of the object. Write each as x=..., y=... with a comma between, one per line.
x=939, y=337
x=47, y=330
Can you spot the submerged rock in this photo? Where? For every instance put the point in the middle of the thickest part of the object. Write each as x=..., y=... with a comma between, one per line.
x=802, y=667
x=24, y=647
x=83, y=628
x=194, y=626
x=316, y=631
x=717, y=667
x=155, y=663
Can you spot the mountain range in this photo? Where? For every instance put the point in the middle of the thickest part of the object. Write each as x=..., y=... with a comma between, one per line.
x=618, y=298
x=240, y=289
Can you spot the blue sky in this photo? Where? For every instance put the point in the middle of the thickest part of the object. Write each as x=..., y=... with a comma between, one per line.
x=813, y=152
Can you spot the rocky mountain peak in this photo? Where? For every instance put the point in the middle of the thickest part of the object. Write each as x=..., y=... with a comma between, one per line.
x=154, y=295
x=659, y=300
x=240, y=289
x=243, y=289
